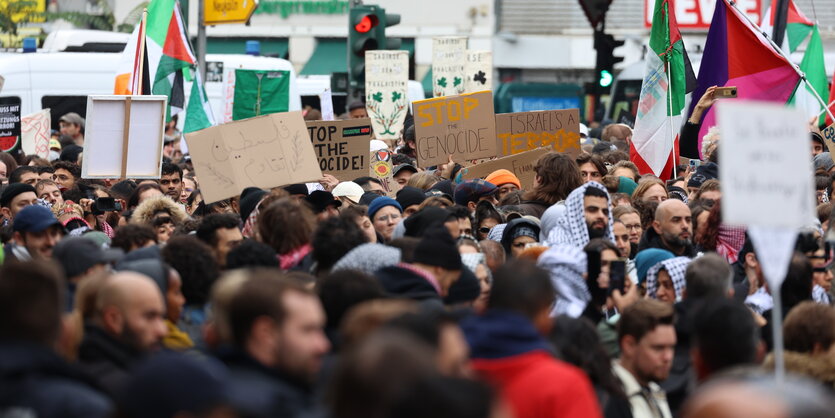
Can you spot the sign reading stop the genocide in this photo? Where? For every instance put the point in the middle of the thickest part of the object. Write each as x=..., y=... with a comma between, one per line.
x=697, y=14
x=228, y=11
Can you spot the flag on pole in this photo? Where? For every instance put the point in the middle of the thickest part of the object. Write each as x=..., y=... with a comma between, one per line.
x=132, y=75
x=199, y=113
x=737, y=54
x=798, y=26
x=813, y=66
x=831, y=102
x=667, y=79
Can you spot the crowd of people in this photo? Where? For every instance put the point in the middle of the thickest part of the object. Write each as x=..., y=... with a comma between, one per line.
x=595, y=291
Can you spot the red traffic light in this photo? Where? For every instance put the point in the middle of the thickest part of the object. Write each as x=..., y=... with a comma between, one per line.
x=366, y=23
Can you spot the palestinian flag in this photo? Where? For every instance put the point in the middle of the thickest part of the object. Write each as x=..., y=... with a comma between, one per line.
x=798, y=26
x=667, y=79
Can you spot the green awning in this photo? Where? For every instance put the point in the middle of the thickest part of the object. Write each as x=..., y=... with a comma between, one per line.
x=237, y=45
x=330, y=56
x=427, y=83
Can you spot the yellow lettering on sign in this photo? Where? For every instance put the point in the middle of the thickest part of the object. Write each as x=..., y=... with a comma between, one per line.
x=470, y=103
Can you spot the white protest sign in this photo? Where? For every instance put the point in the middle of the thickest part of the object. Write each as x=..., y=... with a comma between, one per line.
x=326, y=102
x=449, y=60
x=35, y=133
x=124, y=135
x=479, y=71
x=386, y=91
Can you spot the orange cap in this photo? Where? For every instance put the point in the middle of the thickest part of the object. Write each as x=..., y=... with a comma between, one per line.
x=503, y=176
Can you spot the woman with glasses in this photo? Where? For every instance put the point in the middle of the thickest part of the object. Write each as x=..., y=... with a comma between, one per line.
x=385, y=214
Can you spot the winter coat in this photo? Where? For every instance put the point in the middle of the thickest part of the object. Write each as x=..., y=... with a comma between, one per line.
x=106, y=360
x=35, y=382
x=144, y=213
x=820, y=368
x=508, y=352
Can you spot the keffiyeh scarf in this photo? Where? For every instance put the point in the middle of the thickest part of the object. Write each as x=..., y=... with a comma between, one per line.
x=571, y=228
x=675, y=268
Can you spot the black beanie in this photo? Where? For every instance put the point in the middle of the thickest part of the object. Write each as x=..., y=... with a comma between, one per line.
x=249, y=200
x=296, y=189
x=465, y=289
x=437, y=248
x=12, y=191
x=409, y=196
x=425, y=219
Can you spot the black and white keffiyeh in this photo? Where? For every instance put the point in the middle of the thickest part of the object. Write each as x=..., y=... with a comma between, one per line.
x=571, y=228
x=675, y=267
x=567, y=264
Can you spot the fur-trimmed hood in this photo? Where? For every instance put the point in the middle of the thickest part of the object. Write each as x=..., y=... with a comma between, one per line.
x=820, y=367
x=144, y=213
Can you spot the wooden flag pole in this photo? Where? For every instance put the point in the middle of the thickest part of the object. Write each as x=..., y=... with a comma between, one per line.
x=125, y=138
x=141, y=54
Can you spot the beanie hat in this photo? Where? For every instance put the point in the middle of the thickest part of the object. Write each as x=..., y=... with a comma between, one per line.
x=249, y=201
x=380, y=203
x=703, y=173
x=409, y=196
x=603, y=147
x=437, y=248
x=676, y=192
x=425, y=219
x=645, y=259
x=12, y=191
x=368, y=258
x=295, y=189
x=444, y=186
x=368, y=197
x=465, y=289
x=626, y=185
x=823, y=161
x=502, y=176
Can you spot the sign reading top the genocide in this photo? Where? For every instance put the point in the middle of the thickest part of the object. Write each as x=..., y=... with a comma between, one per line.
x=386, y=87
x=9, y=123
x=461, y=126
x=555, y=129
x=341, y=147
x=449, y=61
x=266, y=151
x=521, y=165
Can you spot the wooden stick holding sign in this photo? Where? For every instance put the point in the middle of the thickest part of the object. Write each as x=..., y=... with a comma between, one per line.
x=139, y=121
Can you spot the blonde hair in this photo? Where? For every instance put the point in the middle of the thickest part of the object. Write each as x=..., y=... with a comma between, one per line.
x=644, y=185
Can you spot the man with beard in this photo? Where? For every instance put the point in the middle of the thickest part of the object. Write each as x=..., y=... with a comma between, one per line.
x=128, y=324
x=671, y=230
x=587, y=216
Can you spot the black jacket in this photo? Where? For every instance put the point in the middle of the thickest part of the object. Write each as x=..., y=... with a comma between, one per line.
x=258, y=391
x=36, y=380
x=106, y=360
x=682, y=381
x=651, y=239
x=404, y=283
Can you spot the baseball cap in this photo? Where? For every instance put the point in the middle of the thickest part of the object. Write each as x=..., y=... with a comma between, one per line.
x=320, y=200
x=473, y=190
x=73, y=117
x=349, y=189
x=55, y=144
x=401, y=167
x=34, y=218
x=77, y=254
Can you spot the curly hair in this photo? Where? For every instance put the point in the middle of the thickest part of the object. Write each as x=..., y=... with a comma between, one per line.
x=196, y=264
x=557, y=176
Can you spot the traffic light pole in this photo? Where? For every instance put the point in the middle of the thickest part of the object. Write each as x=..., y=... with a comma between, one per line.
x=201, y=38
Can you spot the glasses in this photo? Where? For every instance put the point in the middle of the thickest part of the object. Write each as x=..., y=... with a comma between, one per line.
x=386, y=218
x=633, y=226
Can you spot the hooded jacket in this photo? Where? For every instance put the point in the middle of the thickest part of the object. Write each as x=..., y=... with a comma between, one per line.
x=651, y=239
x=35, y=380
x=508, y=352
x=144, y=213
x=571, y=227
x=820, y=368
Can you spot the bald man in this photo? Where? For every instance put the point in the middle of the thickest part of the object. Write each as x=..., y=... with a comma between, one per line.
x=128, y=323
x=671, y=230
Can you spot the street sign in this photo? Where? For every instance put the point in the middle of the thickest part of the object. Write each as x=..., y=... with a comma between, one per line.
x=218, y=12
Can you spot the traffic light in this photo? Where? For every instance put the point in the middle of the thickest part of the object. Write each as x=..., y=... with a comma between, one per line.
x=367, y=31
x=605, y=45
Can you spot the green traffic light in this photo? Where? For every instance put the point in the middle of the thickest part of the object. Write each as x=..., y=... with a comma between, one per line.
x=605, y=78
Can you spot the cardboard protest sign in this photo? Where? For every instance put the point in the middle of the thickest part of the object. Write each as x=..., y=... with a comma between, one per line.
x=267, y=151
x=828, y=135
x=764, y=165
x=524, y=131
x=9, y=123
x=386, y=87
x=449, y=60
x=479, y=71
x=35, y=133
x=341, y=146
x=382, y=170
x=462, y=126
x=520, y=165
x=124, y=135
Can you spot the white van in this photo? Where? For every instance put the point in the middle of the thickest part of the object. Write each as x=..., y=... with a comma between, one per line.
x=62, y=81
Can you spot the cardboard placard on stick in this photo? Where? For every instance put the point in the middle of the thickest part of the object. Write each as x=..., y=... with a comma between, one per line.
x=520, y=165
x=382, y=170
x=462, y=126
x=341, y=146
x=479, y=70
x=449, y=59
x=124, y=136
x=266, y=151
x=386, y=91
x=524, y=131
x=828, y=135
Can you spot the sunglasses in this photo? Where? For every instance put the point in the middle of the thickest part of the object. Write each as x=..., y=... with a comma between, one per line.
x=484, y=230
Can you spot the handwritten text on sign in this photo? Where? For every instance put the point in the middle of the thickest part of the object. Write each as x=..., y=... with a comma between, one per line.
x=461, y=126
x=764, y=165
x=525, y=131
x=828, y=135
x=341, y=147
x=521, y=165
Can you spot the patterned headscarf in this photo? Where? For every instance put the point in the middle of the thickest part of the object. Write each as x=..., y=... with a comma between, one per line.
x=571, y=228
x=675, y=267
x=566, y=264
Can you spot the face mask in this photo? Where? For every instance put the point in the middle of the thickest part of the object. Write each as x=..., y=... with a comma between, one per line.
x=53, y=155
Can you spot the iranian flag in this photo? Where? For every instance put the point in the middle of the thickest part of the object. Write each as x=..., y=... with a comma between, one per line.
x=667, y=79
x=168, y=57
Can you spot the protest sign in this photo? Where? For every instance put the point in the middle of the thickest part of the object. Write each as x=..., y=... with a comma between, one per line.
x=260, y=92
x=341, y=146
x=381, y=169
x=35, y=133
x=520, y=165
x=462, y=126
x=9, y=123
x=123, y=135
x=326, y=103
x=828, y=135
x=479, y=71
x=449, y=60
x=386, y=87
x=267, y=151
x=524, y=131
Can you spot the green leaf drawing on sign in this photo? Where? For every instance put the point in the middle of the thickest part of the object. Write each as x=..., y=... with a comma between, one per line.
x=378, y=97
x=395, y=96
x=442, y=81
x=456, y=81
